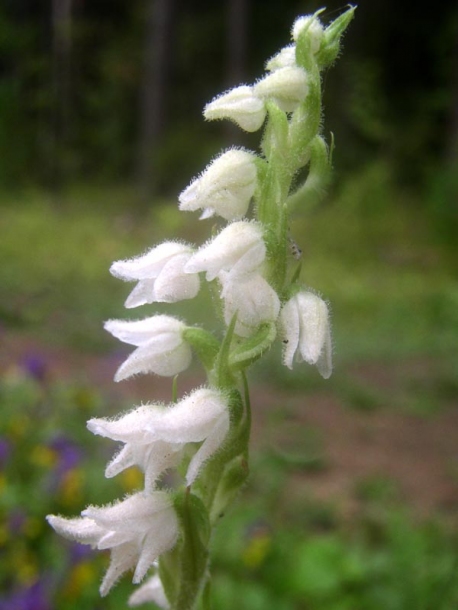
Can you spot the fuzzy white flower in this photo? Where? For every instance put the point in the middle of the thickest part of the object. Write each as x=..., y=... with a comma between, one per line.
x=252, y=298
x=160, y=275
x=239, y=105
x=286, y=58
x=306, y=332
x=137, y=530
x=239, y=248
x=225, y=187
x=150, y=591
x=161, y=348
x=287, y=87
x=314, y=30
x=154, y=434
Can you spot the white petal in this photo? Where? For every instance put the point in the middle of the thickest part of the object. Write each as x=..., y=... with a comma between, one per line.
x=283, y=59
x=211, y=444
x=286, y=86
x=240, y=105
x=173, y=284
x=130, y=514
x=148, y=265
x=150, y=591
x=289, y=325
x=238, y=248
x=254, y=300
x=191, y=419
x=130, y=427
x=315, y=30
x=82, y=530
x=149, y=359
x=123, y=558
x=158, y=540
x=225, y=187
x=165, y=331
x=314, y=325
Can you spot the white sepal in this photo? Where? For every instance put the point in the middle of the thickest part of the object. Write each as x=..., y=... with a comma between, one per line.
x=315, y=30
x=161, y=347
x=252, y=298
x=239, y=105
x=150, y=591
x=287, y=87
x=239, y=248
x=225, y=187
x=306, y=332
x=286, y=58
x=137, y=530
x=154, y=435
x=160, y=275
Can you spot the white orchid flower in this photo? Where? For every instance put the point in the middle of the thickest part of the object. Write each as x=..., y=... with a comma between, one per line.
x=154, y=435
x=287, y=87
x=240, y=105
x=160, y=275
x=150, y=591
x=252, y=298
x=225, y=188
x=239, y=248
x=161, y=348
x=306, y=332
x=137, y=530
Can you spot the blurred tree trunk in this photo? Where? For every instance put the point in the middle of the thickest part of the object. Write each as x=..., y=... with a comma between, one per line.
x=61, y=76
x=237, y=38
x=154, y=91
x=237, y=41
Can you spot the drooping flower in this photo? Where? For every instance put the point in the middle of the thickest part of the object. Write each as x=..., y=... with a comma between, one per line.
x=239, y=248
x=161, y=348
x=306, y=332
x=287, y=87
x=225, y=188
x=154, y=435
x=240, y=105
x=150, y=591
x=252, y=298
x=137, y=530
x=160, y=275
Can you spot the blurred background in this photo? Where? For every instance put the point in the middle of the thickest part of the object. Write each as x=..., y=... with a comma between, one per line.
x=353, y=498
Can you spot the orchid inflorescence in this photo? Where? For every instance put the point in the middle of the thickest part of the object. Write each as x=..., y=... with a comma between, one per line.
x=203, y=436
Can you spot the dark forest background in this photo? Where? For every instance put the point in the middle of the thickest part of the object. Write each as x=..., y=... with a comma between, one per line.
x=113, y=91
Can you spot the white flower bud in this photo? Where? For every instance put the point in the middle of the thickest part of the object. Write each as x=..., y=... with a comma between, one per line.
x=160, y=275
x=161, y=347
x=239, y=105
x=315, y=30
x=225, y=187
x=306, y=332
x=137, y=530
x=287, y=87
x=238, y=249
x=252, y=298
x=286, y=58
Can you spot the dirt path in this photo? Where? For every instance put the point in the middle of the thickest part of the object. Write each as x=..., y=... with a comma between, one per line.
x=418, y=453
